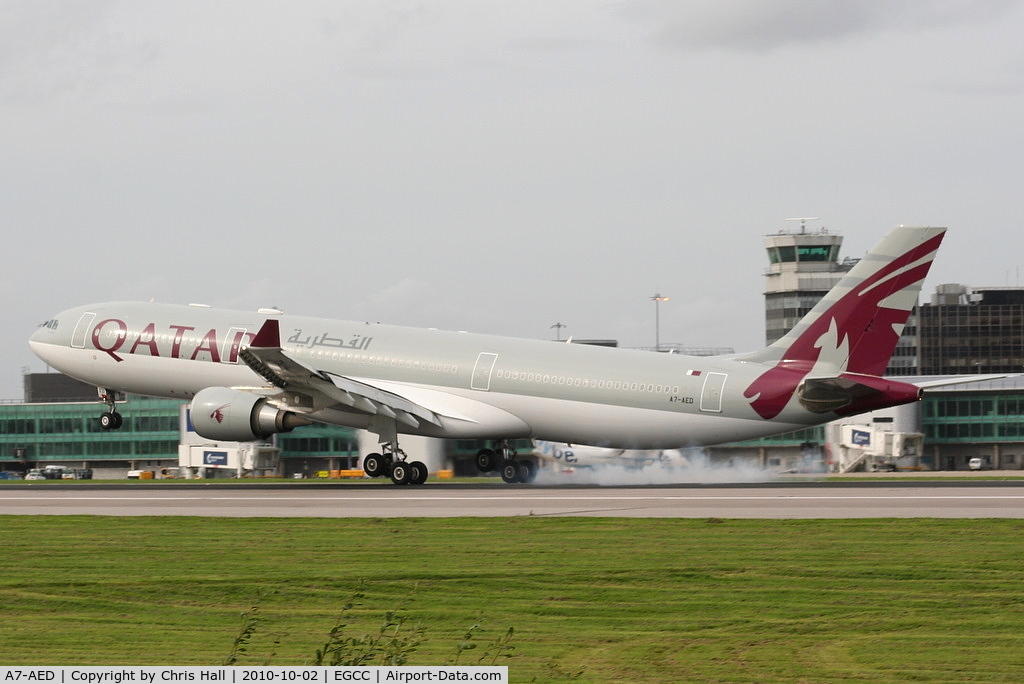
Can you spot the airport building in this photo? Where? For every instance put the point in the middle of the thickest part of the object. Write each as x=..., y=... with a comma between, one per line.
x=58, y=425
x=972, y=330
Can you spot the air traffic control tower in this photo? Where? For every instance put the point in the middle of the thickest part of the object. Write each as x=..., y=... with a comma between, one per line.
x=803, y=266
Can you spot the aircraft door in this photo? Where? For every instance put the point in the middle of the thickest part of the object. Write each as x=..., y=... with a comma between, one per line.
x=482, y=371
x=82, y=330
x=711, y=394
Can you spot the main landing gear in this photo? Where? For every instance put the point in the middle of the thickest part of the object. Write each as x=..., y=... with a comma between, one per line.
x=392, y=463
x=504, y=459
x=111, y=420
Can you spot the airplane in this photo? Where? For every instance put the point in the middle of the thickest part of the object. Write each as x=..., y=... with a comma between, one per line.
x=250, y=375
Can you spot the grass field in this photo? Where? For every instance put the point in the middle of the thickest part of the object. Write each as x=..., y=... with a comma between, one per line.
x=598, y=600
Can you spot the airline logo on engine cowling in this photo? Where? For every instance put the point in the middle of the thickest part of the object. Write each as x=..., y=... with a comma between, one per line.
x=115, y=338
x=218, y=413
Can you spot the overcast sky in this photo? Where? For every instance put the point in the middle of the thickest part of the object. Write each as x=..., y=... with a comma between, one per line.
x=493, y=166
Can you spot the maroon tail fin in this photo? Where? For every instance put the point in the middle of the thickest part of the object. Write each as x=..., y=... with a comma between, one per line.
x=855, y=327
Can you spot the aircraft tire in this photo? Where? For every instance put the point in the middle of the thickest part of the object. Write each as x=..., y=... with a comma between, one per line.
x=419, y=472
x=510, y=472
x=527, y=471
x=373, y=465
x=111, y=420
x=486, y=460
x=401, y=473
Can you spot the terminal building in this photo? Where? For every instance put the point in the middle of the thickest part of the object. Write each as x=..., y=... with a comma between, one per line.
x=960, y=330
x=972, y=330
x=58, y=425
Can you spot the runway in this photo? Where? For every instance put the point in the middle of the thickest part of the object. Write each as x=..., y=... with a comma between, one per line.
x=960, y=499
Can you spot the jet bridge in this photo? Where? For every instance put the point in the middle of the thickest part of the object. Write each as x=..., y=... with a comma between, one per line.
x=234, y=459
x=202, y=458
x=874, y=448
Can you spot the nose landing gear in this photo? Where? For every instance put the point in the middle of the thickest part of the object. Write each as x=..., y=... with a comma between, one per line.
x=111, y=420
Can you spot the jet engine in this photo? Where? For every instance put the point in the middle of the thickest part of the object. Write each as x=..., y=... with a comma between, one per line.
x=227, y=415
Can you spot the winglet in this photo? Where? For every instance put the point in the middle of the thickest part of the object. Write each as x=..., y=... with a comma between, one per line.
x=269, y=336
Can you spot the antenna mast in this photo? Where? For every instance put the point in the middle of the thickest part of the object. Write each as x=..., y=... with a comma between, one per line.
x=803, y=222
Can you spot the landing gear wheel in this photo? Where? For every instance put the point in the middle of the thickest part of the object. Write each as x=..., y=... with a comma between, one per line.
x=527, y=471
x=401, y=473
x=111, y=420
x=373, y=465
x=510, y=472
x=419, y=472
x=486, y=460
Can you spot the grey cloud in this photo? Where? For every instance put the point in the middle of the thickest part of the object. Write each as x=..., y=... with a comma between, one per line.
x=764, y=25
x=55, y=49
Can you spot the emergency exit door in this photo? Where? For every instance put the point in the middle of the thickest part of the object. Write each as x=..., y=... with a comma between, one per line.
x=711, y=394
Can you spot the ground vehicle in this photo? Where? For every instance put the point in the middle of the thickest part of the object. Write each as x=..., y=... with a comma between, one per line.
x=979, y=463
x=35, y=474
x=57, y=472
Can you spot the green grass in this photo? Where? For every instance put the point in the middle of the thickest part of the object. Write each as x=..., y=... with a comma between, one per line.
x=620, y=599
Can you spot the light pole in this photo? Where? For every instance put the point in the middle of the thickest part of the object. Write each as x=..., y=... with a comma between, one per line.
x=657, y=299
x=558, y=330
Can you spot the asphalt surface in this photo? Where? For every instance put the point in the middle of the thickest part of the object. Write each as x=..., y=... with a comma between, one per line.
x=829, y=500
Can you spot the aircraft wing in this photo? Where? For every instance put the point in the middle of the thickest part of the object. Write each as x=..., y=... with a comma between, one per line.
x=317, y=390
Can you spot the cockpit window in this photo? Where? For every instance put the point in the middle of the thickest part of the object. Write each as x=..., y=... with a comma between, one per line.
x=51, y=324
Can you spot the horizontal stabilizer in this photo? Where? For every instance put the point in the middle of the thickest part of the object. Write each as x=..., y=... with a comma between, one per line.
x=851, y=393
x=947, y=380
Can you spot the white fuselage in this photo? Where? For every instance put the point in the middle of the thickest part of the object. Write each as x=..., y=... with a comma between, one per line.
x=481, y=386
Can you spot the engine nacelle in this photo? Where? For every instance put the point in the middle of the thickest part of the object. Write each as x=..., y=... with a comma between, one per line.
x=227, y=415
